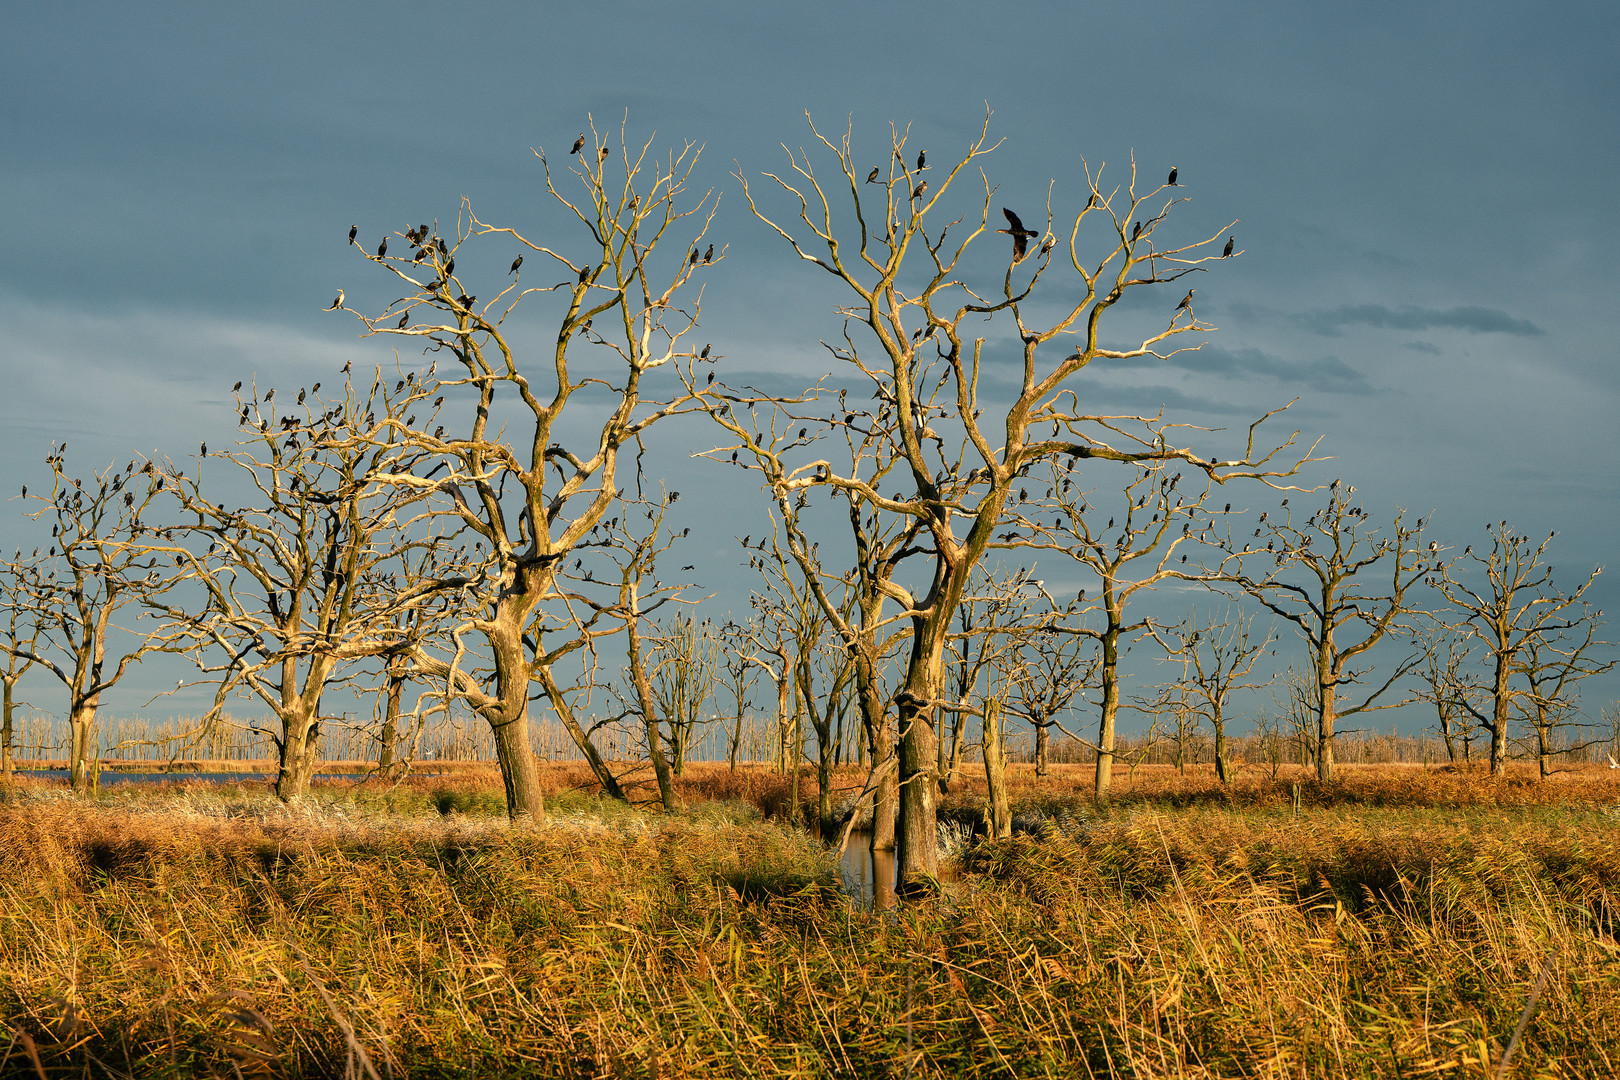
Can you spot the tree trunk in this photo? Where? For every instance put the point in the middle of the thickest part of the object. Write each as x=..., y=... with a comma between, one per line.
x=599, y=769
x=1041, y=739
x=880, y=745
x=82, y=747
x=1223, y=765
x=7, y=731
x=1502, y=700
x=1326, y=713
x=917, y=825
x=300, y=739
x=995, y=772
x=1110, y=717
x=393, y=691
x=510, y=725
x=649, y=715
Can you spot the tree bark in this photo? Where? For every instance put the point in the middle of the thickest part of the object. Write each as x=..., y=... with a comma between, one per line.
x=509, y=720
x=995, y=772
x=1110, y=716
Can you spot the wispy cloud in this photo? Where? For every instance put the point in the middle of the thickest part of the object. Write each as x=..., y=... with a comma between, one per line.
x=1331, y=322
x=1327, y=373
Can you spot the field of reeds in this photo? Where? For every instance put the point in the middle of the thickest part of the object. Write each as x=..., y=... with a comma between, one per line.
x=1396, y=924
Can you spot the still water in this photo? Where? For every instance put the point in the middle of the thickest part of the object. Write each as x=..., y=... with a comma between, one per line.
x=863, y=869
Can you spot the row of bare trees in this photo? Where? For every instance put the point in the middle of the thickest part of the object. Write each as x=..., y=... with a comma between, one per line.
x=478, y=524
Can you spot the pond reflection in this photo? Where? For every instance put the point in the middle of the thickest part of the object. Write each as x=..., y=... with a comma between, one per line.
x=868, y=876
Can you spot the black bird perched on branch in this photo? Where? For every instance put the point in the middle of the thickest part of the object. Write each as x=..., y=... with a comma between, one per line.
x=604, y=153
x=579, y=143
x=1230, y=241
x=871, y=177
x=708, y=256
x=517, y=262
x=338, y=302
x=1021, y=236
x=353, y=229
x=693, y=260
x=1186, y=301
x=584, y=274
x=237, y=387
x=922, y=159
x=403, y=319
x=1136, y=230
x=922, y=189
x=382, y=248
x=1172, y=180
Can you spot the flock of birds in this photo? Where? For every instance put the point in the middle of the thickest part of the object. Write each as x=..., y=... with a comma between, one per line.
x=1021, y=235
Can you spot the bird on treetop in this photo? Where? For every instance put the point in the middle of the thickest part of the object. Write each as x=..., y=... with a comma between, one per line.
x=338, y=302
x=708, y=256
x=1186, y=301
x=382, y=248
x=1172, y=180
x=517, y=262
x=1136, y=230
x=578, y=143
x=1230, y=241
x=604, y=153
x=353, y=229
x=922, y=159
x=871, y=177
x=237, y=387
x=922, y=189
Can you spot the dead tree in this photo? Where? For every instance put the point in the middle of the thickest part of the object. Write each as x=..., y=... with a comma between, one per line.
x=94, y=569
x=518, y=469
x=1218, y=659
x=738, y=674
x=1143, y=543
x=1044, y=675
x=1554, y=666
x=686, y=654
x=321, y=570
x=918, y=290
x=1515, y=605
x=1312, y=574
x=1442, y=675
x=20, y=630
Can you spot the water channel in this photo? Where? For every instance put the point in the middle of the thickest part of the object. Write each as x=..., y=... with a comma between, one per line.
x=861, y=870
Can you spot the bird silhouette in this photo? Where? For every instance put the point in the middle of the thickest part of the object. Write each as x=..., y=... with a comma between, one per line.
x=1230, y=241
x=578, y=143
x=403, y=319
x=517, y=262
x=1021, y=236
x=584, y=274
x=237, y=387
x=708, y=256
x=338, y=302
x=922, y=159
x=1172, y=180
x=922, y=189
x=604, y=153
x=871, y=177
x=1136, y=230
x=1186, y=301
x=353, y=229
x=382, y=248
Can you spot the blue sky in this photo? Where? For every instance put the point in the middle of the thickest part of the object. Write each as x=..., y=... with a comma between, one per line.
x=1424, y=195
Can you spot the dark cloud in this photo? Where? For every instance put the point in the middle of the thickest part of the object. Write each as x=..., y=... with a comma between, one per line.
x=1330, y=322
x=1422, y=347
x=1328, y=374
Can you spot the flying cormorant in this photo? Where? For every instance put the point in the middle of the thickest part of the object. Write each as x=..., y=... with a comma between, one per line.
x=1021, y=236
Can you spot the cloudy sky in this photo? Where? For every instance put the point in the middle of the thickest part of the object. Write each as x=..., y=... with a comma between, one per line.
x=1423, y=195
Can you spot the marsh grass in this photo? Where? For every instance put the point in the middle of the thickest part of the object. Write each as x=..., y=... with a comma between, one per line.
x=1171, y=934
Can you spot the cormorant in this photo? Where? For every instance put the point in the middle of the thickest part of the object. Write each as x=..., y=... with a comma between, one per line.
x=578, y=143
x=1186, y=301
x=871, y=177
x=604, y=153
x=353, y=229
x=403, y=319
x=1172, y=180
x=704, y=355
x=237, y=387
x=382, y=248
x=584, y=274
x=708, y=256
x=421, y=253
x=1049, y=244
x=517, y=262
x=1230, y=241
x=693, y=260
x=922, y=158
x=338, y=302
x=1136, y=230
x=922, y=189
x=300, y=397
x=449, y=268
x=1021, y=236
x=711, y=379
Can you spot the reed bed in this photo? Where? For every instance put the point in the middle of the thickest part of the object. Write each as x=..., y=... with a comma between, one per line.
x=210, y=932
